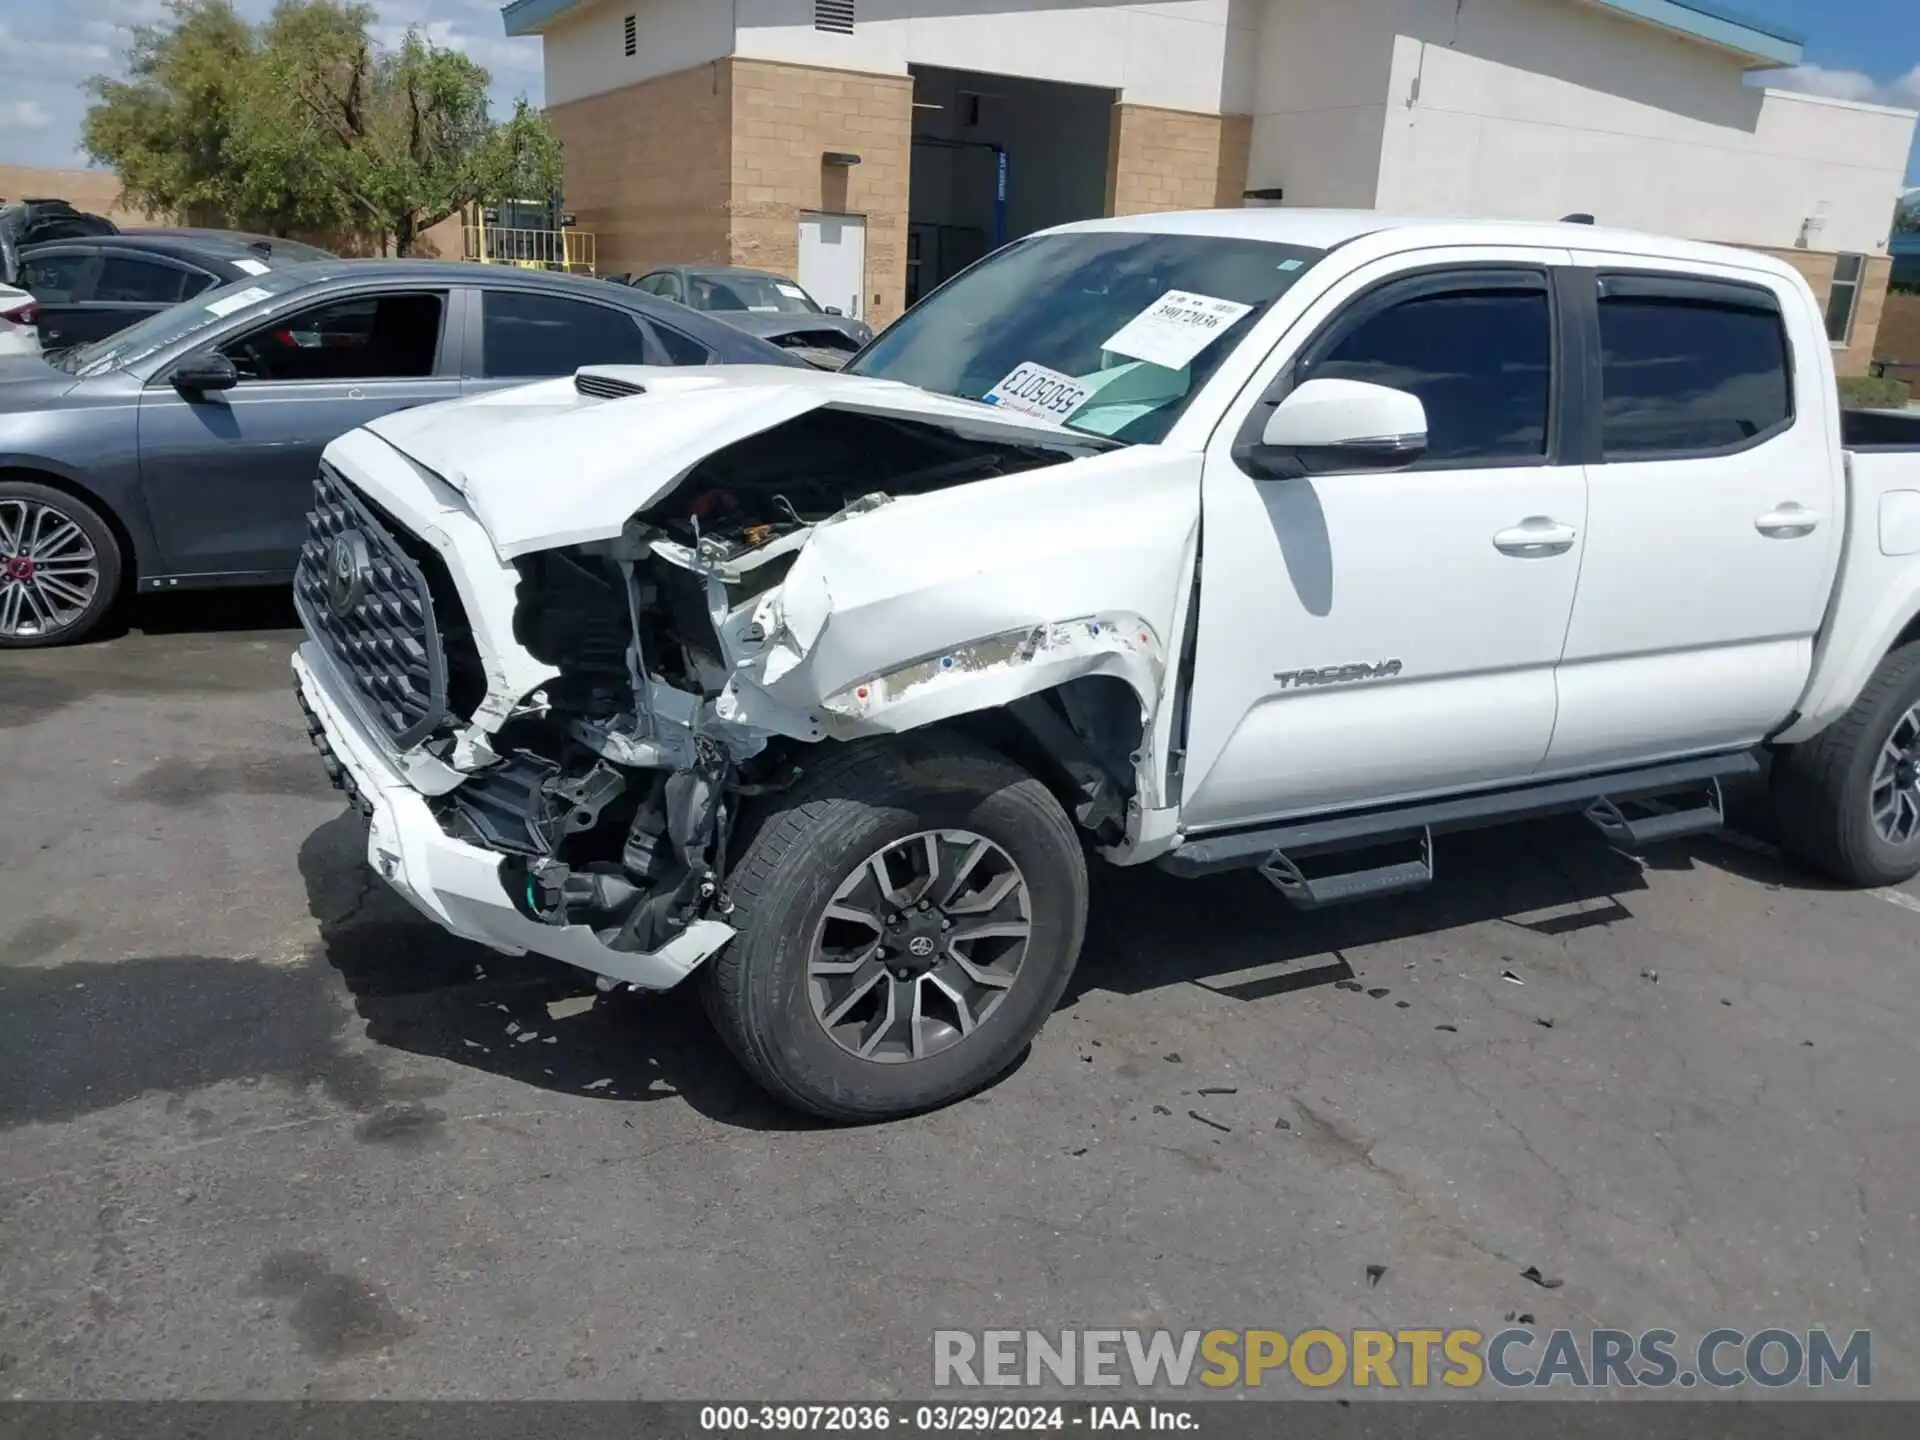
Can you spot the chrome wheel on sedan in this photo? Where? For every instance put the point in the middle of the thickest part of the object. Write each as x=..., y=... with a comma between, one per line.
x=919, y=945
x=52, y=573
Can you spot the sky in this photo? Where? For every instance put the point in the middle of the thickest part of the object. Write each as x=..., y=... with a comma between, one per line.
x=1855, y=49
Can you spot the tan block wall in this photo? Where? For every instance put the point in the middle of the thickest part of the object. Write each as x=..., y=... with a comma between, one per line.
x=1175, y=160
x=1899, y=337
x=96, y=191
x=784, y=119
x=1817, y=267
x=647, y=169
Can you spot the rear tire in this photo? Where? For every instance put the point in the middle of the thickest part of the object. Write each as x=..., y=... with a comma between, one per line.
x=59, y=566
x=1847, y=803
x=1009, y=882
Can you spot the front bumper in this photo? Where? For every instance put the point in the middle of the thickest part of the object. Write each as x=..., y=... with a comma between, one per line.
x=450, y=882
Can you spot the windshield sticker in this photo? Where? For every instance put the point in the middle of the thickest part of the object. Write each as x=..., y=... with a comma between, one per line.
x=1035, y=390
x=239, y=300
x=792, y=292
x=1289, y=265
x=1175, y=328
x=251, y=267
x=764, y=309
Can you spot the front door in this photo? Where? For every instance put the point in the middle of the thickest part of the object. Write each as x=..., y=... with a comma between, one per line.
x=833, y=261
x=228, y=475
x=1372, y=637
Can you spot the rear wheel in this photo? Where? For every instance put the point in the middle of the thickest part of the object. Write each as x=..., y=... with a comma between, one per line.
x=908, y=919
x=1848, y=801
x=59, y=566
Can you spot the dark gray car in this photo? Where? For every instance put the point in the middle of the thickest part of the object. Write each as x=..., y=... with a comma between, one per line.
x=181, y=452
x=764, y=304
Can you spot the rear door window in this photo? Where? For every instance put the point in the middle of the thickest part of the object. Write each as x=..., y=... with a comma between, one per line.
x=360, y=337
x=57, y=279
x=531, y=336
x=129, y=281
x=1690, y=375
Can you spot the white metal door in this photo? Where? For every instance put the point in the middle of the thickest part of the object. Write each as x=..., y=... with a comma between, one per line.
x=1714, y=520
x=1416, y=577
x=833, y=261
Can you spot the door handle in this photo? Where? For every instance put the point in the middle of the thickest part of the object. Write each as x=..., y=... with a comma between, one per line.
x=1790, y=521
x=1535, y=538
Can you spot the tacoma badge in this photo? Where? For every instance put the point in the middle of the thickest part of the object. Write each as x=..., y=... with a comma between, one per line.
x=1337, y=674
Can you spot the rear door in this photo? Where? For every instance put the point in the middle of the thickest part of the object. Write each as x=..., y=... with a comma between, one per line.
x=60, y=279
x=1714, y=515
x=228, y=474
x=1367, y=637
x=526, y=335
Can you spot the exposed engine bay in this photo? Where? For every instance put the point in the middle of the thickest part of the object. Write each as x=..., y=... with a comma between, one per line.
x=684, y=689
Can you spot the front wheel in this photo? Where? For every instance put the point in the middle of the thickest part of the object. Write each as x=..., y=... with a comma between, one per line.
x=1848, y=801
x=908, y=919
x=59, y=566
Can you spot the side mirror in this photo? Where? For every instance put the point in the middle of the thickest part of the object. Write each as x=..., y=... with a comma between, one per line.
x=835, y=310
x=1325, y=426
x=209, y=370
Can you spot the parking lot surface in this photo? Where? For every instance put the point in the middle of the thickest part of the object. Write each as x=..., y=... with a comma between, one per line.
x=264, y=1132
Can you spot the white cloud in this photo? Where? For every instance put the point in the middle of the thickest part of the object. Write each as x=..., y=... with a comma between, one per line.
x=1848, y=84
x=32, y=57
x=23, y=115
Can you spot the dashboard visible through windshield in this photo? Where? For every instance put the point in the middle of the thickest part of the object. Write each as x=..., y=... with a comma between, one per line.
x=1110, y=332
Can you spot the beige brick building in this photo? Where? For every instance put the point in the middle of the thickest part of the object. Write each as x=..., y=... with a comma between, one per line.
x=872, y=148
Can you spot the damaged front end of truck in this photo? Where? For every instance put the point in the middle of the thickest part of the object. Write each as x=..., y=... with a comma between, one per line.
x=706, y=583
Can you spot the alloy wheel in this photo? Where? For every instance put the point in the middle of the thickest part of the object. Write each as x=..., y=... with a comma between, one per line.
x=919, y=945
x=49, y=570
x=1895, y=793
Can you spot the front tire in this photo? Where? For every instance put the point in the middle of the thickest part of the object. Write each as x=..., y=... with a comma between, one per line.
x=909, y=917
x=1847, y=803
x=59, y=566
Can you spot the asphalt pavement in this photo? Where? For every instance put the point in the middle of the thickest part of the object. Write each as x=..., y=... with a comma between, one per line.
x=266, y=1133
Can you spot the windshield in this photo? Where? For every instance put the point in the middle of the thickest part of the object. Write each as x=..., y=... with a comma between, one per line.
x=156, y=332
x=1111, y=332
x=732, y=290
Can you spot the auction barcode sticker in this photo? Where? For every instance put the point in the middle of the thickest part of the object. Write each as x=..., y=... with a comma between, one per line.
x=1035, y=390
x=1175, y=328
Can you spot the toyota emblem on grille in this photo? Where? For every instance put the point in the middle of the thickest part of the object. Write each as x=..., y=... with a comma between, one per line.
x=348, y=569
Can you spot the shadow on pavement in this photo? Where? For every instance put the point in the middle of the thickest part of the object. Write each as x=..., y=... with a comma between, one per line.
x=532, y=1020
x=201, y=612
x=423, y=991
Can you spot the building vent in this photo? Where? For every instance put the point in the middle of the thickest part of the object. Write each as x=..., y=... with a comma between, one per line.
x=834, y=15
x=633, y=39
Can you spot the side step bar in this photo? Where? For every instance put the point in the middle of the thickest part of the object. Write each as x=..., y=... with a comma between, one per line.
x=1651, y=821
x=1665, y=802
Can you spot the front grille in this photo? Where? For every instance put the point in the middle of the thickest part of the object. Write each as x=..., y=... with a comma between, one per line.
x=368, y=604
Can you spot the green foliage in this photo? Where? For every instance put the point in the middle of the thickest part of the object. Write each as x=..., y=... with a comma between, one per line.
x=1873, y=392
x=304, y=125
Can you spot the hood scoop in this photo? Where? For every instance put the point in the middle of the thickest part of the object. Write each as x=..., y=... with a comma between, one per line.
x=605, y=387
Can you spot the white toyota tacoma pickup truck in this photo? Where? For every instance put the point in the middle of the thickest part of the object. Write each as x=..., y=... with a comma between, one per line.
x=1271, y=539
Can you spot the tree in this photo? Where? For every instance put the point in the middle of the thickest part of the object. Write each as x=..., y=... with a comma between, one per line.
x=1906, y=215
x=304, y=124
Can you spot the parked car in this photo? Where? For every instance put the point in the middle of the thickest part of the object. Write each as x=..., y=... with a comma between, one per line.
x=28, y=222
x=91, y=286
x=764, y=304
x=180, y=452
x=18, y=336
x=1275, y=540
